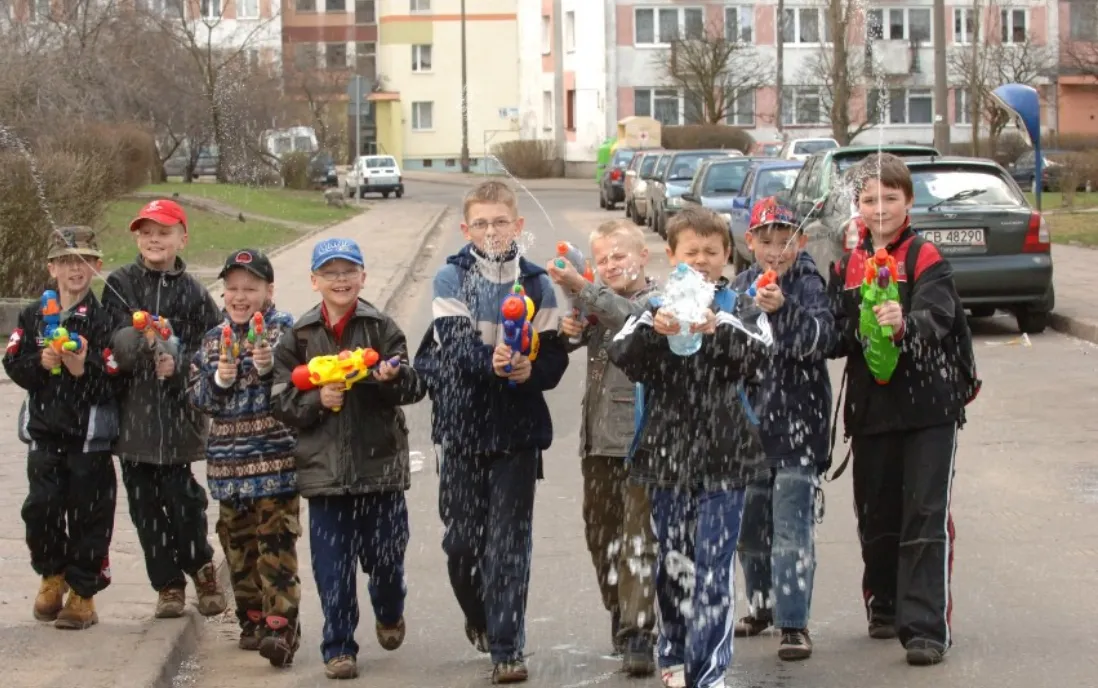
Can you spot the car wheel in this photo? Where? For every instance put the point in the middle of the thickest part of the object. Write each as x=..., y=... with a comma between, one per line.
x=384, y=194
x=400, y=193
x=602, y=200
x=628, y=210
x=982, y=311
x=1032, y=322
x=350, y=192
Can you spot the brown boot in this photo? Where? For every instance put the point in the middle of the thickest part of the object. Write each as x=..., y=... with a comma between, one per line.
x=171, y=603
x=390, y=637
x=51, y=597
x=281, y=641
x=211, y=598
x=78, y=613
x=251, y=631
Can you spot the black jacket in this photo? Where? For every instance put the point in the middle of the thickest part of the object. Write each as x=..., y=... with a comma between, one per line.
x=926, y=388
x=159, y=424
x=62, y=410
x=696, y=428
x=364, y=447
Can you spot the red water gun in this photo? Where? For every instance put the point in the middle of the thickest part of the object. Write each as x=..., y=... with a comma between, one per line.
x=257, y=331
x=765, y=280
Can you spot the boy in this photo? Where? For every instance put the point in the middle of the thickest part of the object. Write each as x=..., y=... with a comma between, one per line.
x=905, y=431
x=792, y=400
x=69, y=420
x=696, y=450
x=351, y=454
x=491, y=419
x=161, y=434
x=249, y=459
x=616, y=512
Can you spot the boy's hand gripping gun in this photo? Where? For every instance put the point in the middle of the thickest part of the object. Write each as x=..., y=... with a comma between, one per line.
x=230, y=348
x=879, y=286
x=346, y=368
x=158, y=334
x=257, y=331
x=568, y=252
x=518, y=331
x=58, y=338
x=765, y=280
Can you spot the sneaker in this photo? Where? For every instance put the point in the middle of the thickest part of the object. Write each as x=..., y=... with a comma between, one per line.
x=341, y=667
x=796, y=644
x=390, y=637
x=673, y=676
x=50, y=598
x=615, y=628
x=280, y=642
x=510, y=672
x=211, y=599
x=171, y=603
x=750, y=626
x=638, y=658
x=77, y=614
x=251, y=631
x=924, y=652
x=881, y=628
x=477, y=638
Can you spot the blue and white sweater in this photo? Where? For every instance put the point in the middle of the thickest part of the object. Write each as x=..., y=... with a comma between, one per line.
x=249, y=454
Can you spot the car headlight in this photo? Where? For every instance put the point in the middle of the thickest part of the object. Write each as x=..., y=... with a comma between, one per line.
x=674, y=202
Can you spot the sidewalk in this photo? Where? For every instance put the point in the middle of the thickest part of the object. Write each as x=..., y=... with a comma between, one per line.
x=1075, y=277
x=128, y=649
x=469, y=180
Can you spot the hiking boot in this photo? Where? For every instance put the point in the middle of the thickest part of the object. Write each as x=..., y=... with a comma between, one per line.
x=796, y=644
x=673, y=676
x=750, y=626
x=615, y=628
x=477, y=638
x=171, y=603
x=341, y=667
x=77, y=614
x=251, y=631
x=924, y=652
x=513, y=671
x=638, y=658
x=50, y=598
x=211, y=598
x=390, y=637
x=280, y=642
x=882, y=628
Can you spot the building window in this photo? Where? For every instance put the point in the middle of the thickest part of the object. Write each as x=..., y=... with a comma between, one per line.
x=570, y=110
x=335, y=5
x=801, y=105
x=663, y=104
x=247, y=9
x=570, y=31
x=741, y=109
x=306, y=5
x=335, y=55
x=660, y=26
x=964, y=25
x=423, y=116
x=901, y=106
x=365, y=12
x=961, y=109
x=547, y=109
x=898, y=24
x=421, y=58
x=1084, y=20
x=38, y=10
x=546, y=35
x=305, y=55
x=210, y=9
x=420, y=5
x=366, y=60
x=806, y=25
x=738, y=24
x=1014, y=26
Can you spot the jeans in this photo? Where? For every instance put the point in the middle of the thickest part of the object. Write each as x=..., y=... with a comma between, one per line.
x=777, y=545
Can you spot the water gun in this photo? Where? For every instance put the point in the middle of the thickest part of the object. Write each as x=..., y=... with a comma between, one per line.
x=158, y=333
x=50, y=309
x=257, y=331
x=62, y=340
x=230, y=349
x=879, y=286
x=518, y=331
x=346, y=367
x=765, y=280
x=568, y=252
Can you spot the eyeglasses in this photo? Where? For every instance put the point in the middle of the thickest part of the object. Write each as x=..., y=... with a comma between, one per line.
x=342, y=276
x=498, y=224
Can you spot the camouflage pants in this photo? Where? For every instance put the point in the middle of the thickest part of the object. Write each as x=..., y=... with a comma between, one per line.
x=259, y=537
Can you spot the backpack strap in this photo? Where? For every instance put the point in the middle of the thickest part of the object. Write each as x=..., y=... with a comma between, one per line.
x=911, y=261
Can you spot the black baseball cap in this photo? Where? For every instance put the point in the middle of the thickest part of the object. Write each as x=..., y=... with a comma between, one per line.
x=251, y=260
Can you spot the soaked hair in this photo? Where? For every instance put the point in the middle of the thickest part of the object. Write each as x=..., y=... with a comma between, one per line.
x=622, y=228
x=491, y=192
x=701, y=221
x=890, y=170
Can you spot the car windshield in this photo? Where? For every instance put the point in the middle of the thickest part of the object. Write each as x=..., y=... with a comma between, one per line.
x=845, y=162
x=683, y=167
x=648, y=164
x=622, y=156
x=935, y=186
x=810, y=147
x=726, y=178
x=771, y=182
x=374, y=163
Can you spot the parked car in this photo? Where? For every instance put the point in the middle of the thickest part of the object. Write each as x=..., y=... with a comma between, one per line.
x=665, y=191
x=642, y=164
x=322, y=171
x=800, y=149
x=374, y=174
x=1024, y=170
x=612, y=183
x=765, y=178
x=205, y=165
x=640, y=191
x=767, y=149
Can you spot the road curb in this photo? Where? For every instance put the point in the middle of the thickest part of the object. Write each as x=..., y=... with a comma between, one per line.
x=550, y=184
x=429, y=229
x=1075, y=327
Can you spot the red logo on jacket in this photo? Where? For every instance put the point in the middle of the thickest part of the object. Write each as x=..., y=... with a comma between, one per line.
x=13, y=342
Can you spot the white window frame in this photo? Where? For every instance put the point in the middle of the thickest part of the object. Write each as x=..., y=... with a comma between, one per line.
x=791, y=113
x=886, y=107
x=419, y=6
x=346, y=55
x=962, y=116
x=906, y=13
x=732, y=116
x=570, y=31
x=656, y=11
x=664, y=94
x=741, y=11
x=209, y=9
x=417, y=115
x=547, y=110
x=823, y=28
x=419, y=64
x=546, y=34
x=243, y=7
x=1006, y=17
x=964, y=14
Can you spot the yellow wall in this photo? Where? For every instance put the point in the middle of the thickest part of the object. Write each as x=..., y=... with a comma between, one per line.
x=390, y=132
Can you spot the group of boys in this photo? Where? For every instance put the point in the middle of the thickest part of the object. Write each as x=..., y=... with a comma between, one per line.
x=674, y=448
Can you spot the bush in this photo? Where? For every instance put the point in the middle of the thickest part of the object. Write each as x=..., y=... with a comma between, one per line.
x=51, y=190
x=696, y=136
x=126, y=153
x=295, y=171
x=1070, y=142
x=1009, y=146
x=1077, y=170
x=529, y=159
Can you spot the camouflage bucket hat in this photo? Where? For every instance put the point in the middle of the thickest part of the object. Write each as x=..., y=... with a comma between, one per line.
x=74, y=241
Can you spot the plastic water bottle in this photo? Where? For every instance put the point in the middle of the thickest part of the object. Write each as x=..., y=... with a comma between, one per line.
x=688, y=296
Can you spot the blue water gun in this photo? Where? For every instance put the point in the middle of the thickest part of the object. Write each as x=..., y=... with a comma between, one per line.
x=568, y=252
x=518, y=331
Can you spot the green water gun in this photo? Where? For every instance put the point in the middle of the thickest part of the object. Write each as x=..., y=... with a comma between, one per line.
x=879, y=286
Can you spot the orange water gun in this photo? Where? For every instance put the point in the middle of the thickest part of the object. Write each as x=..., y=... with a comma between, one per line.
x=346, y=367
x=257, y=331
x=158, y=333
x=230, y=349
x=765, y=280
x=568, y=252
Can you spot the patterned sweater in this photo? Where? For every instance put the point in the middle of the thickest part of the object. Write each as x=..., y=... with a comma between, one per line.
x=249, y=454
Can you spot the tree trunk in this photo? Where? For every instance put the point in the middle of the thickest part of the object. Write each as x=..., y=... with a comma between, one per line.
x=976, y=85
x=779, y=75
x=840, y=83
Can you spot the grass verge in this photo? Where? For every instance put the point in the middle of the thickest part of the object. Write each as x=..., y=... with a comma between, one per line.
x=1080, y=228
x=1054, y=200
x=305, y=207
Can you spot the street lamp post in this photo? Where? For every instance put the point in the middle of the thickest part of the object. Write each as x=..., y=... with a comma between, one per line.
x=464, y=99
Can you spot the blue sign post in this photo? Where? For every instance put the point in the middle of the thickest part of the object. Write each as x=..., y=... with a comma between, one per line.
x=1025, y=104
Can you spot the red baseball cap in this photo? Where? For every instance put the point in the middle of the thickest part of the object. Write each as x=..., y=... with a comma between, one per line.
x=162, y=212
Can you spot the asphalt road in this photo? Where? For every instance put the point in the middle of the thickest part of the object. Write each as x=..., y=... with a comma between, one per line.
x=1026, y=507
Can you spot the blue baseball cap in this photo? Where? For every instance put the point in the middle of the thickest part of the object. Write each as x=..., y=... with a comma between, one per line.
x=336, y=249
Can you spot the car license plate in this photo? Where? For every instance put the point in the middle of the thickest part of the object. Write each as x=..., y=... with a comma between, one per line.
x=954, y=237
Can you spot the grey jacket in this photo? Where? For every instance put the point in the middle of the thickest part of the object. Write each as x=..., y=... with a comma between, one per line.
x=608, y=397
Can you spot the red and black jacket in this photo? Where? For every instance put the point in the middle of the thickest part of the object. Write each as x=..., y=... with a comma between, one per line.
x=925, y=389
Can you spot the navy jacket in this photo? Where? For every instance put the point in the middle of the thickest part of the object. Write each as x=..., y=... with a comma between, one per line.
x=792, y=394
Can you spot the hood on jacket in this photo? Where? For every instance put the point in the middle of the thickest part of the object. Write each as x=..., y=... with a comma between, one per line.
x=469, y=257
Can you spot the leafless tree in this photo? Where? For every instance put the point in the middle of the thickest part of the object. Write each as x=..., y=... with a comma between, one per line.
x=839, y=71
x=314, y=91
